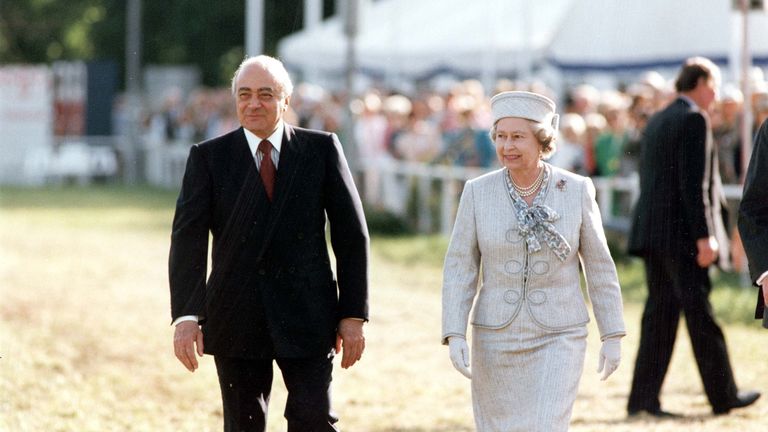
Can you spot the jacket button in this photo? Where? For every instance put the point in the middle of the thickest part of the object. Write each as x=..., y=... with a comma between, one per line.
x=537, y=297
x=513, y=235
x=513, y=267
x=540, y=267
x=511, y=297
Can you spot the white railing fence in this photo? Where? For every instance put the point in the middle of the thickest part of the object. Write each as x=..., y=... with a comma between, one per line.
x=390, y=185
x=426, y=196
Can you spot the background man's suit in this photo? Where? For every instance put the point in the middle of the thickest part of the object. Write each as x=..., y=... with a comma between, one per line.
x=271, y=292
x=680, y=202
x=753, y=215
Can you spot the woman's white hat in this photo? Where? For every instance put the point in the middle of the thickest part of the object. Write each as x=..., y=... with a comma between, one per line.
x=523, y=104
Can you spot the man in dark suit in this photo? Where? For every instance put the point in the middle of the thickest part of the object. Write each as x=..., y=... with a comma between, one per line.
x=678, y=231
x=263, y=191
x=753, y=219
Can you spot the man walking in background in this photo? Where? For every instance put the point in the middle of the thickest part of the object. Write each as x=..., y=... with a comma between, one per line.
x=678, y=231
x=753, y=219
x=263, y=191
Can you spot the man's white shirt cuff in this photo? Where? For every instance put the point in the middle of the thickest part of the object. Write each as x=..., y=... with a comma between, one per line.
x=762, y=278
x=185, y=318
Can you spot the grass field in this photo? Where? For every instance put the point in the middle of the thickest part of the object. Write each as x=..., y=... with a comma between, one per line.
x=85, y=340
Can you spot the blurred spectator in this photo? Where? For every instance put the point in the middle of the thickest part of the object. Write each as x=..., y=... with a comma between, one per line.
x=570, y=144
x=760, y=104
x=582, y=99
x=726, y=118
x=610, y=144
x=370, y=135
x=640, y=110
x=420, y=140
x=467, y=145
x=307, y=101
x=659, y=90
x=596, y=124
x=397, y=108
x=726, y=130
x=446, y=125
x=163, y=125
x=224, y=118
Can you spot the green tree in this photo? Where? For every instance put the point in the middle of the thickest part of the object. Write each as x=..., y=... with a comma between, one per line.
x=209, y=34
x=41, y=31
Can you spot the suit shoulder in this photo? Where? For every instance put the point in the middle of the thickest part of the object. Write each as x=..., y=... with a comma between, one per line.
x=311, y=133
x=222, y=141
x=487, y=178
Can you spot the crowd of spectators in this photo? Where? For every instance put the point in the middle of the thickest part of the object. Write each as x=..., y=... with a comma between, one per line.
x=599, y=130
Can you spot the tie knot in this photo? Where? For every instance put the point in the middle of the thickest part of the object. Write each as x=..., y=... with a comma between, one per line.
x=265, y=147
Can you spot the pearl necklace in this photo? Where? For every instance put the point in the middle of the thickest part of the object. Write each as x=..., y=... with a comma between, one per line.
x=530, y=190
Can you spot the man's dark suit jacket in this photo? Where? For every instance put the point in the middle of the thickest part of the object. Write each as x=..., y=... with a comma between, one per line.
x=680, y=188
x=271, y=291
x=753, y=214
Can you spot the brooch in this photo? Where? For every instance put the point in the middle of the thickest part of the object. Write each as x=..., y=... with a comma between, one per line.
x=561, y=185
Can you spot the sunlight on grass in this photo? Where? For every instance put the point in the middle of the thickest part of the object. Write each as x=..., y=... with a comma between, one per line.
x=85, y=340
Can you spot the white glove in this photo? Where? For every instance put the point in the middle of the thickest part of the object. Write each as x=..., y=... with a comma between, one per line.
x=610, y=357
x=459, y=352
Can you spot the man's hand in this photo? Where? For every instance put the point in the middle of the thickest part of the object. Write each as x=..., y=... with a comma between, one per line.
x=350, y=337
x=764, y=287
x=186, y=336
x=707, y=251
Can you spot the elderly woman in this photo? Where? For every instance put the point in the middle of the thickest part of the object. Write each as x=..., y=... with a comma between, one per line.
x=527, y=226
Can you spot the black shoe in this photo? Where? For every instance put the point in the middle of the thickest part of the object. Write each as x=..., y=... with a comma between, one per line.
x=659, y=413
x=743, y=399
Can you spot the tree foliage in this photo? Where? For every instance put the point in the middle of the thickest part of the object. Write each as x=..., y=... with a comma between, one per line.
x=209, y=34
x=39, y=31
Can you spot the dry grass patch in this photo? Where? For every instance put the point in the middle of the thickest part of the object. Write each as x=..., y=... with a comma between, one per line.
x=86, y=343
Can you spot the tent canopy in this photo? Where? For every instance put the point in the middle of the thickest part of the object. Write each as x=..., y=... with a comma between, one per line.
x=620, y=35
x=415, y=39
x=425, y=37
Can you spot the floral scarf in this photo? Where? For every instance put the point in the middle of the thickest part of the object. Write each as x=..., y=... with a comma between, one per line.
x=536, y=221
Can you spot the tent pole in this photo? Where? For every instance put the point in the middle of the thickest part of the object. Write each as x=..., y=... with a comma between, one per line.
x=746, y=66
x=351, y=29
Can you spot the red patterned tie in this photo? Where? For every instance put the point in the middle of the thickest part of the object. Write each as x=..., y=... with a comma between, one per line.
x=267, y=168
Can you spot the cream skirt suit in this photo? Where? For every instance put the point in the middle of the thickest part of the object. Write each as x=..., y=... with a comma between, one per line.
x=529, y=317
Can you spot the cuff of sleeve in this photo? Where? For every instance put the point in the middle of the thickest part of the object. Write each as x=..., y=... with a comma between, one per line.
x=180, y=319
x=762, y=277
x=617, y=335
x=444, y=340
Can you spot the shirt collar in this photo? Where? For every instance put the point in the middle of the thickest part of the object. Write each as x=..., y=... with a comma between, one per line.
x=276, y=139
x=690, y=102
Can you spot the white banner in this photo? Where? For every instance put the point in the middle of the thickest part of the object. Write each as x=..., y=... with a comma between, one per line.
x=26, y=122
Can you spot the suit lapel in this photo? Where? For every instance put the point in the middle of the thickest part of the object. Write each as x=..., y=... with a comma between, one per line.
x=291, y=157
x=243, y=157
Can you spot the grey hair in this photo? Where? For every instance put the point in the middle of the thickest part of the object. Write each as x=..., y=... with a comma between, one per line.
x=273, y=66
x=544, y=134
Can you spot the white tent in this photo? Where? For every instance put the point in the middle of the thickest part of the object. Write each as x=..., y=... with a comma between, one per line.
x=621, y=35
x=421, y=38
x=407, y=39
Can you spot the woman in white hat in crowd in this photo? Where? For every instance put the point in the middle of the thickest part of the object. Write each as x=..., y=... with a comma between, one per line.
x=527, y=226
